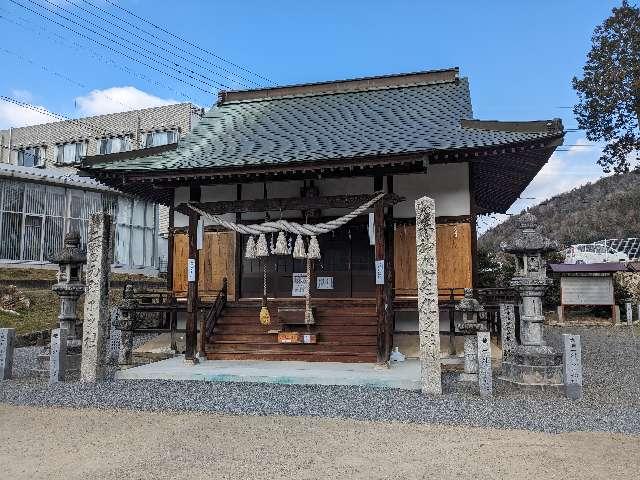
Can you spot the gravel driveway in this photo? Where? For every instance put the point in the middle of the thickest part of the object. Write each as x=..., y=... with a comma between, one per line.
x=39, y=443
x=611, y=402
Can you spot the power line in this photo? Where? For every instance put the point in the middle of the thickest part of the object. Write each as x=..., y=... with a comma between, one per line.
x=187, y=42
x=108, y=61
x=127, y=46
x=139, y=37
x=162, y=40
x=113, y=49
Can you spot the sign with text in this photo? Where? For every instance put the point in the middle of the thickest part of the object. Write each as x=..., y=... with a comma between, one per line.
x=324, y=283
x=191, y=270
x=379, y=272
x=299, y=287
x=586, y=290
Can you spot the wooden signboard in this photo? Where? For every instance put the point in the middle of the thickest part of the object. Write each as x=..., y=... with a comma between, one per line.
x=585, y=290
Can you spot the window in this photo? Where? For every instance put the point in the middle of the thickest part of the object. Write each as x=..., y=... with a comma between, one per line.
x=70, y=152
x=114, y=145
x=135, y=233
x=30, y=157
x=155, y=139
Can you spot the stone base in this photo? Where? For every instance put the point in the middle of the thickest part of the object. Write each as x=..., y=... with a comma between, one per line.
x=535, y=366
x=42, y=370
x=468, y=377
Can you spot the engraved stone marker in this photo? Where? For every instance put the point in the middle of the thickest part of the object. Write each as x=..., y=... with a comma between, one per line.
x=58, y=355
x=629, y=313
x=7, y=343
x=96, y=301
x=115, y=338
x=572, y=366
x=508, y=326
x=428, y=312
x=485, y=381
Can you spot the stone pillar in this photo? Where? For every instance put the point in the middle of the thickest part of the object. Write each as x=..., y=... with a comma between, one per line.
x=7, y=343
x=471, y=354
x=485, y=379
x=629, y=308
x=428, y=312
x=58, y=355
x=508, y=328
x=115, y=337
x=572, y=366
x=96, y=302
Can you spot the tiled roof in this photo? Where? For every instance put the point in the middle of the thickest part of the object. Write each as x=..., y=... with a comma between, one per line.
x=50, y=176
x=330, y=126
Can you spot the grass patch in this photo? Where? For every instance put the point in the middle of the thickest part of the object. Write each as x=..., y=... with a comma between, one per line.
x=42, y=315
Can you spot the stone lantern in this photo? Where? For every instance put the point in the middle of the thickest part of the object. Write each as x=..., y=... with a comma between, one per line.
x=469, y=327
x=70, y=287
x=533, y=362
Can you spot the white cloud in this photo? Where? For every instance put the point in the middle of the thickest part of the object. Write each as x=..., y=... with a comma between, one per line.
x=117, y=99
x=564, y=171
x=12, y=115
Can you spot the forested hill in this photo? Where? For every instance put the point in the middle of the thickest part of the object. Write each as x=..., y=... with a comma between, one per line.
x=608, y=208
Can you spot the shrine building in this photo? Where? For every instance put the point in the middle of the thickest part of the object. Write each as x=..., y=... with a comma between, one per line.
x=310, y=154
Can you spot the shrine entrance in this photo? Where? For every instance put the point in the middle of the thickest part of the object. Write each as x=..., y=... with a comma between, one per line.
x=346, y=269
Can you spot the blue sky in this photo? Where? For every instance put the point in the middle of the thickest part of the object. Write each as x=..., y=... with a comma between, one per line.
x=520, y=56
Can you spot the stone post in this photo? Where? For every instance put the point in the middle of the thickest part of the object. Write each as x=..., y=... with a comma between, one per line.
x=7, y=343
x=428, y=311
x=96, y=302
x=572, y=366
x=629, y=306
x=485, y=379
x=508, y=327
x=58, y=355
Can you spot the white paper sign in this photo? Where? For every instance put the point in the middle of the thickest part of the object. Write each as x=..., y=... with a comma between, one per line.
x=379, y=272
x=324, y=283
x=200, y=234
x=372, y=229
x=299, y=288
x=191, y=270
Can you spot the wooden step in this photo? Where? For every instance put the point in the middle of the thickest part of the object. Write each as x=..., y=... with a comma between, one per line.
x=246, y=347
x=286, y=356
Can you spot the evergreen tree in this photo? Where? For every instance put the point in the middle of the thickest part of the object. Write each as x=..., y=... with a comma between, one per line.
x=609, y=93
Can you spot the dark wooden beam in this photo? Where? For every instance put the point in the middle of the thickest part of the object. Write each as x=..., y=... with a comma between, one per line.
x=191, y=336
x=389, y=271
x=292, y=203
x=238, y=259
x=378, y=220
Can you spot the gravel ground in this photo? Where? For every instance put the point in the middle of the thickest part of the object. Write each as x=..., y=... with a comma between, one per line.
x=611, y=402
x=38, y=443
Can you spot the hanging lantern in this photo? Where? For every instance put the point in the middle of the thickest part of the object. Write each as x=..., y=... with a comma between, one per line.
x=262, y=249
x=250, y=251
x=314, y=248
x=298, y=248
x=265, y=317
x=281, y=245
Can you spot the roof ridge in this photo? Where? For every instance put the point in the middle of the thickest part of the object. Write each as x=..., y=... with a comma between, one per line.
x=528, y=126
x=341, y=86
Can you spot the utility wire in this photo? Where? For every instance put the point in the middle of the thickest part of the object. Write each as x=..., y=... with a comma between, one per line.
x=42, y=31
x=113, y=49
x=120, y=19
x=127, y=44
x=188, y=42
x=141, y=38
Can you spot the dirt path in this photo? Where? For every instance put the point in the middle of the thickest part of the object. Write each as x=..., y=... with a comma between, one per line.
x=68, y=444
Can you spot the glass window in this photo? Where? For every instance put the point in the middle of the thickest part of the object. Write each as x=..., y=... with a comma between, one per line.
x=114, y=145
x=30, y=157
x=70, y=152
x=155, y=139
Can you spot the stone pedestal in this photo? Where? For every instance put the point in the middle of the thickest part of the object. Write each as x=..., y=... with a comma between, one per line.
x=428, y=311
x=96, y=303
x=7, y=344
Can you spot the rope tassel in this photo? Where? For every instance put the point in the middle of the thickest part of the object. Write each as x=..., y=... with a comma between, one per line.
x=314, y=248
x=250, y=251
x=298, y=248
x=281, y=245
x=262, y=249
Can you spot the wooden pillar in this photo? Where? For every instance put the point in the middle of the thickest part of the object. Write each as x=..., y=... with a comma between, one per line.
x=191, y=337
x=389, y=270
x=170, y=247
x=238, y=260
x=378, y=221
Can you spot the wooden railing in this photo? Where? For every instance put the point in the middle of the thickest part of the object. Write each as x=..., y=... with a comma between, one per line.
x=208, y=323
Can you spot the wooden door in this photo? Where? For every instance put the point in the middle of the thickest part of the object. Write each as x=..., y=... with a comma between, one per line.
x=453, y=249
